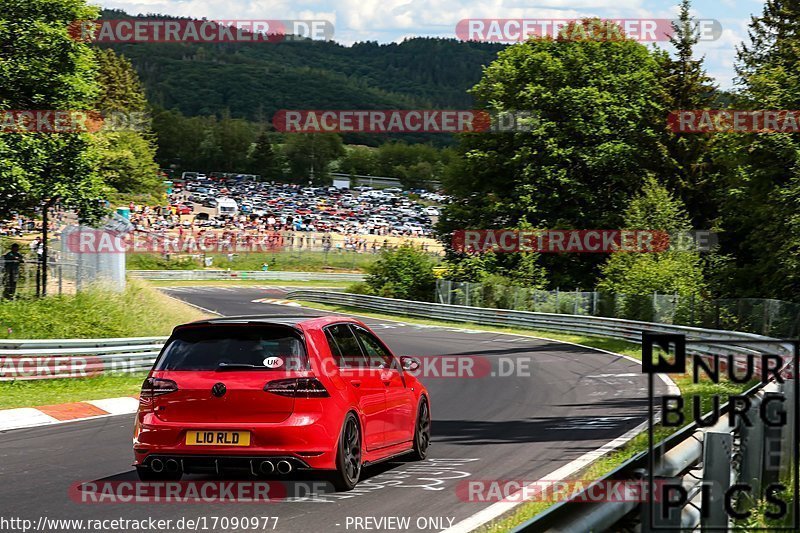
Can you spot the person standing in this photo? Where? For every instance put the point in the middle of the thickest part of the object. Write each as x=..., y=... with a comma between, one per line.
x=11, y=262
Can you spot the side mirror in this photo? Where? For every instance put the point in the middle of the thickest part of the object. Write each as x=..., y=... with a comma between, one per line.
x=409, y=364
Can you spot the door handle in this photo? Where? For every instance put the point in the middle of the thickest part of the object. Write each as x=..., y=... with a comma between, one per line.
x=355, y=382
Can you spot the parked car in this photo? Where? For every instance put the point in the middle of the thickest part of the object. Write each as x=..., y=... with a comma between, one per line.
x=182, y=209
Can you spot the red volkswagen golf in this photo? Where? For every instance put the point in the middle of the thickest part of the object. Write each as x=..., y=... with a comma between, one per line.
x=273, y=394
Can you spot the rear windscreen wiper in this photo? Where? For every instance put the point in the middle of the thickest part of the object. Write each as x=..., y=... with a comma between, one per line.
x=235, y=366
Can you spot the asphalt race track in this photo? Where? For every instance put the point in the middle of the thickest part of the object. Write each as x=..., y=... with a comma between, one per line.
x=560, y=402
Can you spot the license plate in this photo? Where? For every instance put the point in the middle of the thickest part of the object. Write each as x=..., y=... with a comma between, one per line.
x=217, y=438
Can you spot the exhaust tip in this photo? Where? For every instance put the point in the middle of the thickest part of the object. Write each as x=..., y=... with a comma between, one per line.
x=266, y=467
x=157, y=465
x=172, y=465
x=284, y=467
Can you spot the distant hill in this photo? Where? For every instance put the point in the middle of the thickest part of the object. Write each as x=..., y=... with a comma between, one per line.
x=252, y=81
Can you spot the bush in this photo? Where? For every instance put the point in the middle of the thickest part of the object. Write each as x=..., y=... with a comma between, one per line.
x=360, y=288
x=672, y=271
x=405, y=273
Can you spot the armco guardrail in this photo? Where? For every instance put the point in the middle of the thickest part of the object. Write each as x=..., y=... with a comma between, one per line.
x=259, y=275
x=718, y=456
x=629, y=330
x=72, y=358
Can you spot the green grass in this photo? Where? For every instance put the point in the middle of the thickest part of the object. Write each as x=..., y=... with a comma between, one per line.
x=758, y=518
x=139, y=311
x=603, y=465
x=54, y=391
x=157, y=262
x=297, y=261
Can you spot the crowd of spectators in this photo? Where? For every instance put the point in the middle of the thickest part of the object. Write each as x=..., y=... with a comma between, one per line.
x=269, y=215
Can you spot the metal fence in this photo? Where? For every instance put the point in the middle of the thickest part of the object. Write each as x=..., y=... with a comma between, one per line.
x=273, y=275
x=774, y=318
x=68, y=271
x=91, y=264
x=629, y=330
x=25, y=279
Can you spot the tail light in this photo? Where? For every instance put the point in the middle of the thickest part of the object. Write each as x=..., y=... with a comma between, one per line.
x=297, y=388
x=153, y=387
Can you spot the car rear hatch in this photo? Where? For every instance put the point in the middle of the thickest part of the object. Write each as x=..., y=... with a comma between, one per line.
x=220, y=373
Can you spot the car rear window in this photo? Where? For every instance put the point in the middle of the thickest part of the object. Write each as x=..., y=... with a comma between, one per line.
x=234, y=347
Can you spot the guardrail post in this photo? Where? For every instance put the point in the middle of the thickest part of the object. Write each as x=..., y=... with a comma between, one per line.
x=663, y=519
x=79, y=268
x=773, y=439
x=752, y=446
x=717, y=449
x=788, y=436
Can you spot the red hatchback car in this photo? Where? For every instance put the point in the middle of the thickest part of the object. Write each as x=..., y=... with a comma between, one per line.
x=273, y=394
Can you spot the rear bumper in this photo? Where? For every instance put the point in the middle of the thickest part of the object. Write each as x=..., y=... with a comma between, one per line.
x=218, y=464
x=306, y=441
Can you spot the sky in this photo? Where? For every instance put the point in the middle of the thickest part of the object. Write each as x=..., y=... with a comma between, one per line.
x=394, y=20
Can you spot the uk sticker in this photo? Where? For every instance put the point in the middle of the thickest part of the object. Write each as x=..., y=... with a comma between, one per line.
x=731, y=460
x=273, y=362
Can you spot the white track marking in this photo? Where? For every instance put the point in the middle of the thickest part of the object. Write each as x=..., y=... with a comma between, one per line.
x=116, y=406
x=500, y=508
x=24, y=417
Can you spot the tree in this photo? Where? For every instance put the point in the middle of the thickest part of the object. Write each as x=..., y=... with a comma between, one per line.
x=235, y=137
x=521, y=269
x=675, y=270
x=405, y=273
x=179, y=139
x=263, y=158
x=120, y=87
x=312, y=152
x=759, y=192
x=690, y=170
x=126, y=163
x=359, y=160
x=598, y=116
x=126, y=154
x=415, y=165
x=42, y=67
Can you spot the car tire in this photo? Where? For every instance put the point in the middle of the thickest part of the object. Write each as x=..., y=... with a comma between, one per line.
x=146, y=474
x=422, y=431
x=348, y=455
